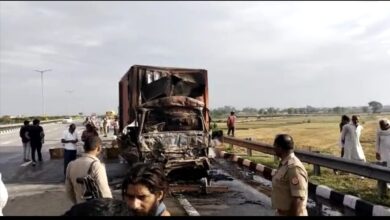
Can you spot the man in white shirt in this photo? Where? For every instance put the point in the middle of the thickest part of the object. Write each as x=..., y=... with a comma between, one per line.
x=69, y=139
x=383, y=143
x=350, y=139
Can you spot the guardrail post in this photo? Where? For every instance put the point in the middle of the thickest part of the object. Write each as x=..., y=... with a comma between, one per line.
x=316, y=168
x=382, y=185
x=249, y=151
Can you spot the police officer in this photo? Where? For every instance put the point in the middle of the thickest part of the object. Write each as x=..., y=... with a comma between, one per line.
x=290, y=182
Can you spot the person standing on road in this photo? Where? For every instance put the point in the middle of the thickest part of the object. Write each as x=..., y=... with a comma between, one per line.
x=69, y=139
x=350, y=139
x=88, y=132
x=105, y=126
x=231, y=123
x=290, y=182
x=3, y=196
x=23, y=133
x=144, y=188
x=87, y=121
x=115, y=125
x=80, y=167
x=94, y=122
x=383, y=143
x=37, y=136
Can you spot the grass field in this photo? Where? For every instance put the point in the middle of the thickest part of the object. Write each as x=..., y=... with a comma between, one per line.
x=320, y=133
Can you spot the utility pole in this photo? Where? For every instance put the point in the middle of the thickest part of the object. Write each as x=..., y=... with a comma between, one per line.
x=43, y=99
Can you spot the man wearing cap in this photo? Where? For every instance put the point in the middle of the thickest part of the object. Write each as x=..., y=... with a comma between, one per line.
x=290, y=182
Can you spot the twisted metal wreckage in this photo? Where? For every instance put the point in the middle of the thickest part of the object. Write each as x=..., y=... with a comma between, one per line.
x=167, y=120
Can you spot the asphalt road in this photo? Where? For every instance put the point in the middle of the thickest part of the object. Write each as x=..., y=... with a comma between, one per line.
x=39, y=190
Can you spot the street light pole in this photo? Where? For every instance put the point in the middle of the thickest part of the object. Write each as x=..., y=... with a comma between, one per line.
x=43, y=100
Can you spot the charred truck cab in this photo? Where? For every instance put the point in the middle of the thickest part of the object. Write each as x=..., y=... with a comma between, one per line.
x=164, y=115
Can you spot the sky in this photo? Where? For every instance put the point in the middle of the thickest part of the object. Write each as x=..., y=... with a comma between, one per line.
x=257, y=54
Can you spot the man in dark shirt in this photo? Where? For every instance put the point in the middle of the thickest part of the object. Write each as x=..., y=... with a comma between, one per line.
x=36, y=138
x=23, y=133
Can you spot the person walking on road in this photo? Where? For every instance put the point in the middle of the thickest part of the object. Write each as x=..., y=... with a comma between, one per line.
x=144, y=188
x=231, y=123
x=69, y=139
x=80, y=167
x=290, y=182
x=23, y=133
x=37, y=136
x=383, y=143
x=350, y=139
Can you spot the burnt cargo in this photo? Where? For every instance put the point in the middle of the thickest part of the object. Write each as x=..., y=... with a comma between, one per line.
x=164, y=115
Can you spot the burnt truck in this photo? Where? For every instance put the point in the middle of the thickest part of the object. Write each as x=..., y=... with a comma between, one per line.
x=164, y=118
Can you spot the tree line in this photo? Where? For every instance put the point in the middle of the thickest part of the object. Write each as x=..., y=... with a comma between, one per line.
x=372, y=107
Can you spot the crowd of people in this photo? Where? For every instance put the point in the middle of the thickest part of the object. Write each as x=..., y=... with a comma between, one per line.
x=350, y=144
x=33, y=138
x=145, y=186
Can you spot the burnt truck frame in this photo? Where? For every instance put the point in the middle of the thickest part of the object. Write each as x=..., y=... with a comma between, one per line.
x=164, y=114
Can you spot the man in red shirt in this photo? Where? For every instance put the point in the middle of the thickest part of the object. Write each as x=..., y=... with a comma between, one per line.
x=231, y=121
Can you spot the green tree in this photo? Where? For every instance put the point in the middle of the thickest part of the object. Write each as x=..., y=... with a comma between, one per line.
x=261, y=111
x=375, y=106
x=290, y=111
x=249, y=110
x=365, y=109
x=271, y=110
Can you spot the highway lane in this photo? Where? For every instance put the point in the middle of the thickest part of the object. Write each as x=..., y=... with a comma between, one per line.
x=45, y=181
x=39, y=190
x=15, y=170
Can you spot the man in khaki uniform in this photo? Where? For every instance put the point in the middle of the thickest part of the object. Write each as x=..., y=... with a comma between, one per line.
x=290, y=182
x=79, y=168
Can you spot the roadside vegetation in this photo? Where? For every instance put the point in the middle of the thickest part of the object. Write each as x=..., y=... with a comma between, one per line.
x=315, y=133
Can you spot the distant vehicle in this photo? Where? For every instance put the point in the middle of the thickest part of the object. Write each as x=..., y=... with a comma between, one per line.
x=110, y=114
x=67, y=120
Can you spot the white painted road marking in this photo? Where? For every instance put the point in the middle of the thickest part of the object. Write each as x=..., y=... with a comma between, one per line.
x=26, y=164
x=191, y=211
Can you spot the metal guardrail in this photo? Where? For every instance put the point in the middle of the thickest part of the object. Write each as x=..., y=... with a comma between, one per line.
x=13, y=126
x=371, y=171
